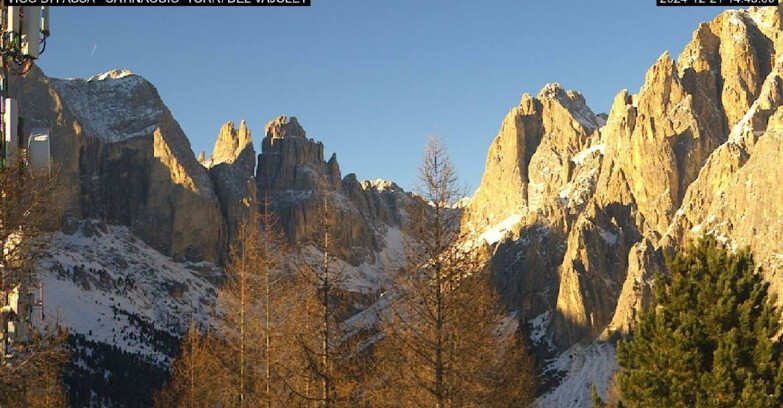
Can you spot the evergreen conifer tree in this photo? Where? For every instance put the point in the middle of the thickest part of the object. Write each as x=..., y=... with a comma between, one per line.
x=711, y=340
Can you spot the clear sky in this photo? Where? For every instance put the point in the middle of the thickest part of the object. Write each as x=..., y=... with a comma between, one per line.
x=371, y=79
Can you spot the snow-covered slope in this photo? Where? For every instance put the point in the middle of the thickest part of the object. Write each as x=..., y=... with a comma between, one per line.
x=584, y=366
x=104, y=283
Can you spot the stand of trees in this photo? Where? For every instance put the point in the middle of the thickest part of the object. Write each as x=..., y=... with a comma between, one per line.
x=444, y=338
x=131, y=381
x=278, y=335
x=233, y=360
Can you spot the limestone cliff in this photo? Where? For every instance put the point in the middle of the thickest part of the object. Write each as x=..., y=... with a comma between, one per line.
x=297, y=179
x=585, y=210
x=124, y=158
x=534, y=157
x=231, y=166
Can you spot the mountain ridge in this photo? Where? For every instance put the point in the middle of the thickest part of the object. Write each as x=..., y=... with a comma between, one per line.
x=676, y=160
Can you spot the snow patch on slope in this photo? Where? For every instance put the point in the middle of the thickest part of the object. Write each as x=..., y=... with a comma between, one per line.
x=539, y=326
x=497, y=232
x=365, y=278
x=585, y=365
x=367, y=320
x=379, y=184
x=113, y=74
x=111, y=106
x=580, y=157
x=608, y=236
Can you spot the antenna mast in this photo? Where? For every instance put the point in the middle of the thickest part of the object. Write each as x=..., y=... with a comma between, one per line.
x=23, y=34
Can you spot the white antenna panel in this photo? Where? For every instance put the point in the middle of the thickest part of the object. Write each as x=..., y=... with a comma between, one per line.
x=12, y=19
x=31, y=31
x=39, y=157
x=11, y=122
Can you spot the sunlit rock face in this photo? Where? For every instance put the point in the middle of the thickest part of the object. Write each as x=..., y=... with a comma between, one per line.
x=232, y=167
x=579, y=207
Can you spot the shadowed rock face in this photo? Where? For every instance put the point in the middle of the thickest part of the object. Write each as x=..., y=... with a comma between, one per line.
x=297, y=179
x=681, y=158
x=290, y=161
x=123, y=158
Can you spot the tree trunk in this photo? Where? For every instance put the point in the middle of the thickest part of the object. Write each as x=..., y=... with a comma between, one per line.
x=326, y=288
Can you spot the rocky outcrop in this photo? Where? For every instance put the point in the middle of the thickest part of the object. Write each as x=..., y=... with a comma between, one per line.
x=231, y=167
x=233, y=146
x=125, y=159
x=681, y=158
x=733, y=90
x=737, y=196
x=541, y=174
x=636, y=295
x=298, y=181
x=291, y=161
x=533, y=157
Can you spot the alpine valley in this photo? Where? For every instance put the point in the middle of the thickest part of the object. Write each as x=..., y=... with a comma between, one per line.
x=575, y=209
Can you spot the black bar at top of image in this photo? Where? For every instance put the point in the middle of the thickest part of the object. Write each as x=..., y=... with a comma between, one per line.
x=269, y=3
x=724, y=3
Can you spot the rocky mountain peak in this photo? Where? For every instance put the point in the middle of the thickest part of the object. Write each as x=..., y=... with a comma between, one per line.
x=768, y=19
x=573, y=102
x=525, y=165
x=282, y=127
x=527, y=100
x=727, y=61
x=233, y=144
x=293, y=173
x=552, y=91
x=379, y=184
x=291, y=161
x=656, y=92
x=126, y=160
x=113, y=74
x=113, y=106
x=244, y=132
x=231, y=167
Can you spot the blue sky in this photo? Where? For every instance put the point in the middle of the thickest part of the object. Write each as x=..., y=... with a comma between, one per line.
x=371, y=79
